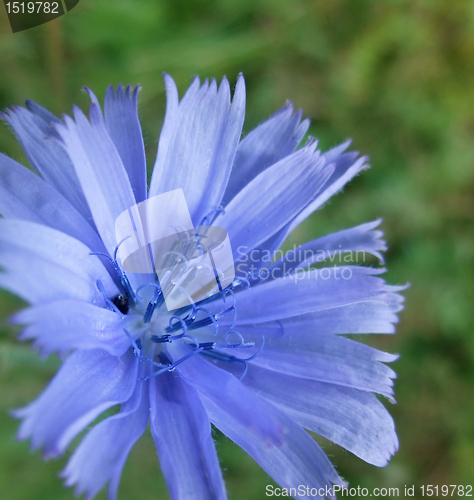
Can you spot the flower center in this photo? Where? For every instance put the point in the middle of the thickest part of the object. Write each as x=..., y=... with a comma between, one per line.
x=157, y=336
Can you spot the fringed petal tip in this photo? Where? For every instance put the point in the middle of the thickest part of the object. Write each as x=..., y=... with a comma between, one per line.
x=386, y=357
x=23, y=434
x=365, y=160
x=9, y=115
x=72, y=482
x=123, y=92
x=42, y=349
x=92, y=97
x=240, y=80
x=15, y=319
x=390, y=452
x=95, y=114
x=338, y=150
x=71, y=479
x=18, y=414
x=135, y=93
x=67, y=123
x=398, y=288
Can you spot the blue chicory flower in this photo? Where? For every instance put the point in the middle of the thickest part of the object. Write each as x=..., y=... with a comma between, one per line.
x=262, y=361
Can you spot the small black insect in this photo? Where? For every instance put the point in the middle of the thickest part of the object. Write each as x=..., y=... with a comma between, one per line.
x=122, y=303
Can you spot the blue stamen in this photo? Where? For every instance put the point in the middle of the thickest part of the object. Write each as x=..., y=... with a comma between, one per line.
x=164, y=359
x=153, y=302
x=241, y=340
x=150, y=361
x=211, y=317
x=136, y=348
x=207, y=345
x=118, y=246
x=194, y=341
x=160, y=339
x=216, y=271
x=120, y=272
x=150, y=251
x=206, y=220
x=230, y=309
x=128, y=289
x=123, y=277
x=172, y=367
x=200, y=324
x=220, y=356
x=137, y=351
x=258, y=352
x=181, y=321
x=245, y=371
x=192, y=325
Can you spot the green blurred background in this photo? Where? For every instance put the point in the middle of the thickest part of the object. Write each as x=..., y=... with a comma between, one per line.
x=395, y=75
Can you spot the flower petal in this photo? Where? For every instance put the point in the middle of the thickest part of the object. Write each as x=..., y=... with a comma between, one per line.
x=88, y=383
x=346, y=166
x=99, y=168
x=69, y=324
x=249, y=264
x=182, y=434
x=308, y=291
x=123, y=126
x=199, y=146
x=35, y=130
x=103, y=452
x=171, y=121
x=290, y=455
x=43, y=265
x=353, y=419
x=269, y=143
x=328, y=358
x=41, y=112
x=24, y=195
x=227, y=391
x=359, y=239
x=273, y=199
x=377, y=316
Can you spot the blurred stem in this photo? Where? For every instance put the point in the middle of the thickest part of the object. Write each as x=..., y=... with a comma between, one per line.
x=55, y=62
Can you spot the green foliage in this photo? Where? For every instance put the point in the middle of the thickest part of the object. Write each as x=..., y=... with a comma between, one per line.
x=396, y=76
